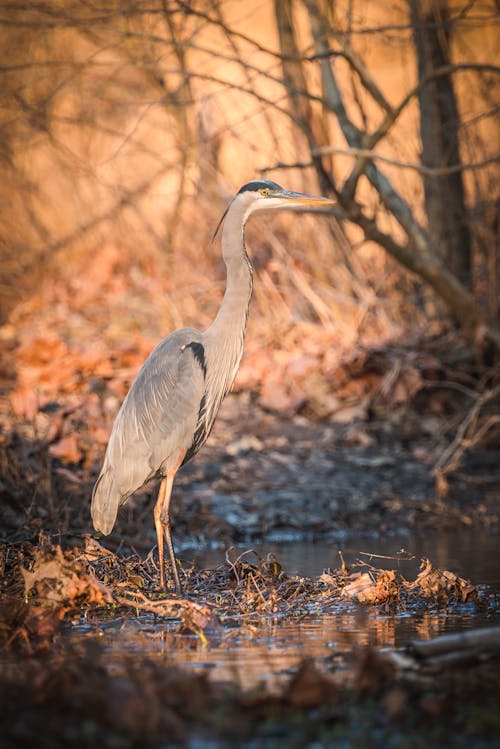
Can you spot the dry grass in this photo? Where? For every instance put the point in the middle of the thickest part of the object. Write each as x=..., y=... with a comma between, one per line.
x=101, y=155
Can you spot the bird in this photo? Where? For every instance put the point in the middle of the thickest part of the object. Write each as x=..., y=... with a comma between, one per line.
x=170, y=409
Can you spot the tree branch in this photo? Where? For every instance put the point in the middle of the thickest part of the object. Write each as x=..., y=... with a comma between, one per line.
x=421, y=169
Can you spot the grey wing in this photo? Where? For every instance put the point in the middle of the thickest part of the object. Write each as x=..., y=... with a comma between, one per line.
x=157, y=420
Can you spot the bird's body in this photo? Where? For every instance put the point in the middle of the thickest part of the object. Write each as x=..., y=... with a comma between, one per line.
x=172, y=404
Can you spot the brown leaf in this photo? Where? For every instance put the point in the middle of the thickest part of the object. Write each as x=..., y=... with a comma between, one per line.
x=100, y=434
x=44, y=622
x=24, y=401
x=43, y=571
x=276, y=396
x=328, y=579
x=359, y=583
x=365, y=589
x=433, y=583
x=42, y=350
x=58, y=580
x=94, y=550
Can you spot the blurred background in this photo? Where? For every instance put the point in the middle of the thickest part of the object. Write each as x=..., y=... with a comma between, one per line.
x=126, y=128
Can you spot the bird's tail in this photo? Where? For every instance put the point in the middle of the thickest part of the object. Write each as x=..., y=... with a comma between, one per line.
x=106, y=500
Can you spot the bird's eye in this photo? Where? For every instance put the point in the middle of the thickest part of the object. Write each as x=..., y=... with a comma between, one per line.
x=264, y=192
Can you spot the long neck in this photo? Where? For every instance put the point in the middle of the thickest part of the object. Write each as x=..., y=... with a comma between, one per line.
x=231, y=318
x=225, y=336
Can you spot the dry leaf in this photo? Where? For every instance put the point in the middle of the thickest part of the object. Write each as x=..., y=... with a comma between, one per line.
x=365, y=589
x=434, y=583
x=24, y=402
x=61, y=581
x=277, y=397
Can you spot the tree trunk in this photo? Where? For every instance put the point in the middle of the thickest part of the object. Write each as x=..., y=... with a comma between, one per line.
x=296, y=85
x=439, y=129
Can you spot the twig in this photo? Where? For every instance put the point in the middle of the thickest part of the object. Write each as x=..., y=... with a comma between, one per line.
x=367, y=153
x=407, y=556
x=233, y=564
x=468, y=435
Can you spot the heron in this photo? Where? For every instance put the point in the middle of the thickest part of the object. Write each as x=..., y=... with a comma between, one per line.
x=172, y=404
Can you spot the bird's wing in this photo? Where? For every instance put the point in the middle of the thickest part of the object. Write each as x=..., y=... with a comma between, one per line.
x=157, y=420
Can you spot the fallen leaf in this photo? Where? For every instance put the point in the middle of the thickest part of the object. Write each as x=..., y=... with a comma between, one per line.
x=366, y=589
x=441, y=584
x=61, y=581
x=24, y=402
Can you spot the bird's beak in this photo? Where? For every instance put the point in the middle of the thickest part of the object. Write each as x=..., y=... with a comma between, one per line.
x=301, y=199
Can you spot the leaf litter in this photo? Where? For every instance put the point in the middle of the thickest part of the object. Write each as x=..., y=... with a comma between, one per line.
x=246, y=586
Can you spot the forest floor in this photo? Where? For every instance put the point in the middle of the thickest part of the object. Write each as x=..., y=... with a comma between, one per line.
x=265, y=475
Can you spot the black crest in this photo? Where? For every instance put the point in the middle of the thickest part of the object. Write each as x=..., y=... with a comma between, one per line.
x=259, y=184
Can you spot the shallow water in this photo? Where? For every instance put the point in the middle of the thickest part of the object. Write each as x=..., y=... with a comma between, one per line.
x=473, y=553
x=251, y=655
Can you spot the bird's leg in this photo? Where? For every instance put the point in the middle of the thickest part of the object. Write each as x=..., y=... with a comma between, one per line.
x=165, y=522
x=162, y=524
x=159, y=531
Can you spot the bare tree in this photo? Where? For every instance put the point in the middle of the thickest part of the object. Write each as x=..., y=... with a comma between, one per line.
x=132, y=81
x=439, y=252
x=439, y=129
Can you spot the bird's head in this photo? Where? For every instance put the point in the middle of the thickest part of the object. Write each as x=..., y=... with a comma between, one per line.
x=263, y=194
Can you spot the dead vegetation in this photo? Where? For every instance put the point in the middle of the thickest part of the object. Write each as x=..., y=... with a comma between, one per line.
x=45, y=584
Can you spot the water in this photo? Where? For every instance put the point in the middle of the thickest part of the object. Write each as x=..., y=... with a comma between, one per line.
x=470, y=553
x=250, y=655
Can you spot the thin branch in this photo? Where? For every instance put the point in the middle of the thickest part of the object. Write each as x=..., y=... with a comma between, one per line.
x=283, y=165
x=392, y=116
x=238, y=35
x=468, y=434
x=364, y=75
x=428, y=171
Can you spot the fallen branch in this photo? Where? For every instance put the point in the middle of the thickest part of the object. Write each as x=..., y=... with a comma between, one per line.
x=457, y=648
x=194, y=616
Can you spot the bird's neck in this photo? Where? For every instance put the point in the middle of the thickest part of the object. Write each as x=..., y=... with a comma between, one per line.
x=232, y=316
x=231, y=319
x=226, y=335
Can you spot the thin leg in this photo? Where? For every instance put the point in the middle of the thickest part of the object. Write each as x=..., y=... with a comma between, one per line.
x=159, y=531
x=162, y=524
x=165, y=523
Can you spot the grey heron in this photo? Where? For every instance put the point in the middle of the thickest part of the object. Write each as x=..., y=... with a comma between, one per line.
x=171, y=406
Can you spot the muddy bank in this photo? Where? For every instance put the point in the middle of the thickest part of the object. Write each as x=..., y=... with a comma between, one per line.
x=277, y=478
x=391, y=438
x=266, y=476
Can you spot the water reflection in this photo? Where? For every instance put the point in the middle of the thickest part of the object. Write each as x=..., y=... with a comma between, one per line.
x=250, y=655
x=470, y=553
